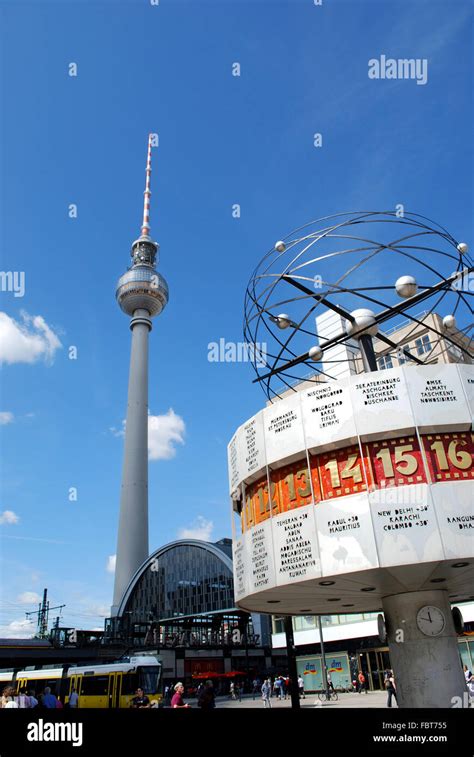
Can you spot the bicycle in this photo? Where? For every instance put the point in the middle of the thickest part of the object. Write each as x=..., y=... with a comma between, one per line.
x=323, y=696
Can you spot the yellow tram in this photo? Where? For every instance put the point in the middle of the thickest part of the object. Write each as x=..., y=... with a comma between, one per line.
x=98, y=686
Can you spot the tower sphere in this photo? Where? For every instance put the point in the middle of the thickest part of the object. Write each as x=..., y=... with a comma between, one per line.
x=283, y=321
x=315, y=353
x=364, y=323
x=280, y=246
x=463, y=248
x=406, y=286
x=449, y=322
x=142, y=288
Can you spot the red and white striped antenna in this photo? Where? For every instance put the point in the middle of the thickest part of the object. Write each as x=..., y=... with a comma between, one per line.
x=147, y=193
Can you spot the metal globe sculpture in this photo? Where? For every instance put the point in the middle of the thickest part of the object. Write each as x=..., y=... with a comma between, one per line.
x=372, y=268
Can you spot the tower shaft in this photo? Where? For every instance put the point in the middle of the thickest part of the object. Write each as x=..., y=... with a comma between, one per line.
x=132, y=542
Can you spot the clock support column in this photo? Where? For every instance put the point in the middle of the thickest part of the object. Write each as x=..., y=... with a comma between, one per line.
x=424, y=650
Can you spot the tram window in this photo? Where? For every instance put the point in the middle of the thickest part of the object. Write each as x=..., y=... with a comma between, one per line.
x=129, y=683
x=95, y=686
x=149, y=679
x=40, y=684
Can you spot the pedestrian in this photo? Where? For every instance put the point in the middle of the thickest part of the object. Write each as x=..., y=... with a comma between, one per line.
x=238, y=691
x=301, y=687
x=74, y=698
x=467, y=673
x=48, y=700
x=391, y=688
x=470, y=687
x=7, y=696
x=140, y=700
x=329, y=681
x=282, y=688
x=276, y=687
x=177, y=700
x=287, y=686
x=59, y=704
x=362, y=681
x=254, y=688
x=23, y=700
x=33, y=700
x=232, y=690
x=266, y=693
x=206, y=698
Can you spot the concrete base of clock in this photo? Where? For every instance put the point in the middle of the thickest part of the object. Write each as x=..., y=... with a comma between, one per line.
x=427, y=668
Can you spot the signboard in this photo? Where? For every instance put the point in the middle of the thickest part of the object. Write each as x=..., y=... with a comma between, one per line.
x=450, y=457
x=284, y=429
x=239, y=560
x=260, y=565
x=340, y=472
x=346, y=535
x=453, y=504
x=233, y=464
x=252, y=447
x=295, y=546
x=327, y=415
x=466, y=374
x=380, y=404
x=395, y=462
x=310, y=670
x=405, y=525
x=437, y=398
x=256, y=507
x=292, y=486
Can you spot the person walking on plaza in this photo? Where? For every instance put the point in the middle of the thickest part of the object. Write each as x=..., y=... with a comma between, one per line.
x=276, y=687
x=74, y=698
x=33, y=700
x=23, y=700
x=7, y=696
x=390, y=688
x=282, y=688
x=140, y=701
x=266, y=693
x=255, y=687
x=232, y=691
x=48, y=700
x=301, y=687
x=362, y=682
x=177, y=700
x=206, y=698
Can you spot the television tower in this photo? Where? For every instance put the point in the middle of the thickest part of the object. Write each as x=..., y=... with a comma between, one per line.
x=141, y=293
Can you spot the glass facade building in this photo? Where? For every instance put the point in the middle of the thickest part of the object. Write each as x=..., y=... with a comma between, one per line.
x=182, y=579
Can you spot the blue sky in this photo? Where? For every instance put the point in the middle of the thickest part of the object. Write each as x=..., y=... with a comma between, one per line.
x=224, y=140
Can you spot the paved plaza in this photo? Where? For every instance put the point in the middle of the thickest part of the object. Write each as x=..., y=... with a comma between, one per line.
x=371, y=700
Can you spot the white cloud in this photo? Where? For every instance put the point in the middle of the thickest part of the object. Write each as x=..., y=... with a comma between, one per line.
x=116, y=431
x=200, y=529
x=8, y=517
x=29, y=598
x=111, y=563
x=5, y=418
x=26, y=341
x=103, y=611
x=18, y=629
x=164, y=431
